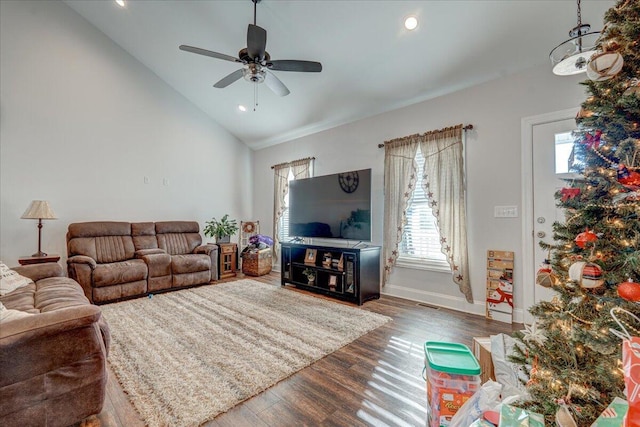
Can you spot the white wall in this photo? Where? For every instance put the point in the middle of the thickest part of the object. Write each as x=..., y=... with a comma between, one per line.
x=492, y=161
x=82, y=123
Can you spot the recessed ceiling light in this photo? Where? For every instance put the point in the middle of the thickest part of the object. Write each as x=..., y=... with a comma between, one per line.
x=242, y=108
x=120, y=3
x=411, y=23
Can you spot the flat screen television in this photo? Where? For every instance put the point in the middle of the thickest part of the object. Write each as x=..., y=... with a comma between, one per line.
x=336, y=206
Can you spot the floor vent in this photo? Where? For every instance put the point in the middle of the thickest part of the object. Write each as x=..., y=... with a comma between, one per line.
x=422, y=304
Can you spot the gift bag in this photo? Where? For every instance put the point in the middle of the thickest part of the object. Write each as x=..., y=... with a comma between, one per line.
x=631, y=369
x=630, y=365
x=516, y=417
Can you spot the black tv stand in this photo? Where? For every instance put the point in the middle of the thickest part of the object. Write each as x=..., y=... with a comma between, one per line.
x=352, y=275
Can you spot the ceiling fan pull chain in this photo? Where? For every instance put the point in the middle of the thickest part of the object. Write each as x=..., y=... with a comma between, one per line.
x=255, y=96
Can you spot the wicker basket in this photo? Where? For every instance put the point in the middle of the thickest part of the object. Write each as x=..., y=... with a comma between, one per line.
x=256, y=263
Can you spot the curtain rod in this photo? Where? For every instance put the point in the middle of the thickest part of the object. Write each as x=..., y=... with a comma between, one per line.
x=291, y=162
x=465, y=128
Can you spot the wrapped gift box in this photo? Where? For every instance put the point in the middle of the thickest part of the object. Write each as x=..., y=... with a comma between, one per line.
x=482, y=352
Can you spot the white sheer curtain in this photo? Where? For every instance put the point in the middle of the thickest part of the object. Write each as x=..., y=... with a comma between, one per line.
x=300, y=169
x=399, y=182
x=444, y=185
x=443, y=182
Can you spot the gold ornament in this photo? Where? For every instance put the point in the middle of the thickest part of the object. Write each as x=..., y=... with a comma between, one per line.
x=612, y=46
x=545, y=276
x=633, y=89
x=584, y=113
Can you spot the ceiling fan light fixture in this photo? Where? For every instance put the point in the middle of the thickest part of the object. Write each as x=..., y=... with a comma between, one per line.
x=411, y=23
x=572, y=56
x=257, y=63
x=120, y=3
x=254, y=74
x=242, y=108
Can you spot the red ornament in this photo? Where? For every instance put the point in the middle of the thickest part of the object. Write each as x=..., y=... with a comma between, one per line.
x=569, y=193
x=592, y=141
x=585, y=237
x=630, y=179
x=629, y=291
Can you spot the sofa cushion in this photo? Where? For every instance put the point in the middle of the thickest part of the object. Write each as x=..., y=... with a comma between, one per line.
x=99, y=228
x=116, y=273
x=22, y=299
x=10, y=280
x=103, y=249
x=179, y=243
x=181, y=264
x=178, y=237
x=52, y=293
x=104, y=241
x=56, y=293
x=8, y=314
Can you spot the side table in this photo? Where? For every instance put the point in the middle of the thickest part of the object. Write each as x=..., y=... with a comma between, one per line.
x=38, y=259
x=228, y=260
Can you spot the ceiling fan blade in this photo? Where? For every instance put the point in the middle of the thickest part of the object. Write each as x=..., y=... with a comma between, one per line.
x=226, y=81
x=293, y=65
x=208, y=53
x=275, y=84
x=256, y=42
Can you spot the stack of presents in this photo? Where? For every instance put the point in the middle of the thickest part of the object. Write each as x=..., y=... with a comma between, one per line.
x=475, y=389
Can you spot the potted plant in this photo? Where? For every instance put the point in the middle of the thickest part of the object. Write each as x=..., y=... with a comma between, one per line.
x=222, y=230
x=311, y=275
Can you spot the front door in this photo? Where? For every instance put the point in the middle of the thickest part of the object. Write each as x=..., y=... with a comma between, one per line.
x=550, y=142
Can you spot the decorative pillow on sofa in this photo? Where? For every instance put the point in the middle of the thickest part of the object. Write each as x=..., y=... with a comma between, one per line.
x=7, y=314
x=10, y=280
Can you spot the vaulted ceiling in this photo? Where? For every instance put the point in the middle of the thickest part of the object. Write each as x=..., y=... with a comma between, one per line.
x=371, y=63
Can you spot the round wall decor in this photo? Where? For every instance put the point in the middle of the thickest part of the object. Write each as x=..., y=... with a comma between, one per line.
x=349, y=181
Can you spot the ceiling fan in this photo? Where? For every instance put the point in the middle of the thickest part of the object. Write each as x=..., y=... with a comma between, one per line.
x=257, y=63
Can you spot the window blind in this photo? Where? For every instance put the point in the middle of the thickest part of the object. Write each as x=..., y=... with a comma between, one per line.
x=421, y=239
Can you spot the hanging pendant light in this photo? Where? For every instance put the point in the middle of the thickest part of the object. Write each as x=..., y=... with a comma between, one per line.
x=571, y=57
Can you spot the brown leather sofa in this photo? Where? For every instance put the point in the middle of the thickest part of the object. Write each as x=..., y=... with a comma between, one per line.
x=117, y=260
x=52, y=363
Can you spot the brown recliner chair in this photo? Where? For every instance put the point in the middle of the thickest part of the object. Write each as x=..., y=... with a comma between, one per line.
x=53, y=362
x=101, y=257
x=191, y=262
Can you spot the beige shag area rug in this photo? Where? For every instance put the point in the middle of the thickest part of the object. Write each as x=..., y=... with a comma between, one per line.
x=184, y=357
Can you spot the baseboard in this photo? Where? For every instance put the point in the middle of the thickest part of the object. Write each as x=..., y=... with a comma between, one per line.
x=444, y=301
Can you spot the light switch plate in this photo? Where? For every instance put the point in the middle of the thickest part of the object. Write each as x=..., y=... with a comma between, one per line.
x=505, y=211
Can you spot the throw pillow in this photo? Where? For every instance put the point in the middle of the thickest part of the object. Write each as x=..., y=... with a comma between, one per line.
x=7, y=314
x=10, y=280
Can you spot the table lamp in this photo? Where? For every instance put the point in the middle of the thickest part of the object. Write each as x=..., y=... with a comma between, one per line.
x=39, y=209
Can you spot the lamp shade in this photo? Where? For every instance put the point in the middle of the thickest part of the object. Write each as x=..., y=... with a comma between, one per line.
x=572, y=56
x=39, y=209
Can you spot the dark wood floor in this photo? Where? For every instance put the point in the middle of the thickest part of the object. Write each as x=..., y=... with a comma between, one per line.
x=374, y=381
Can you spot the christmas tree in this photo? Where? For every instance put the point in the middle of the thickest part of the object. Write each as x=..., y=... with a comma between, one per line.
x=573, y=360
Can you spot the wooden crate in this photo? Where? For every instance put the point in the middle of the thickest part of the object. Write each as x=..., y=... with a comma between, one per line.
x=256, y=263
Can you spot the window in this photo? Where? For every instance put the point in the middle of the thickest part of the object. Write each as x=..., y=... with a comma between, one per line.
x=420, y=246
x=565, y=161
x=283, y=227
